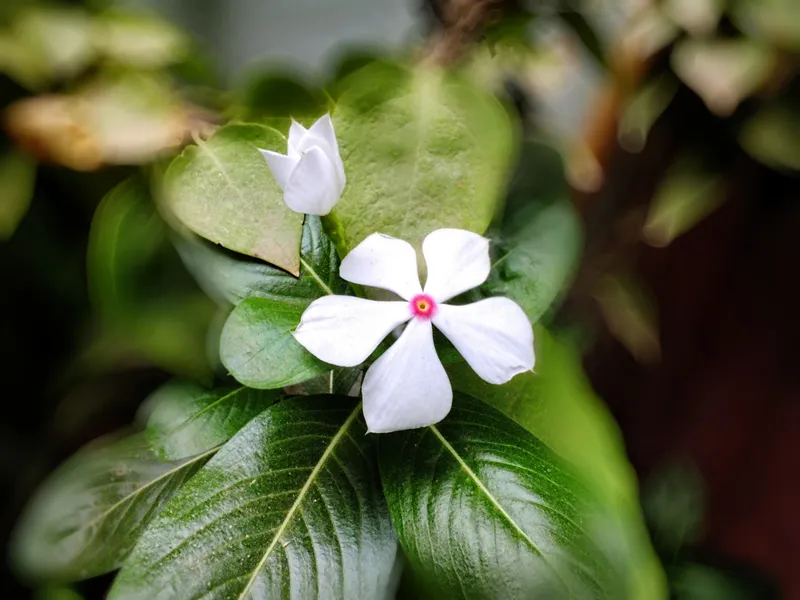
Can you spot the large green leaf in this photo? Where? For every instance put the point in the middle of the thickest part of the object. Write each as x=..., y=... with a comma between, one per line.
x=259, y=350
x=139, y=287
x=422, y=150
x=485, y=510
x=86, y=518
x=230, y=278
x=291, y=507
x=538, y=244
x=557, y=404
x=223, y=190
x=187, y=419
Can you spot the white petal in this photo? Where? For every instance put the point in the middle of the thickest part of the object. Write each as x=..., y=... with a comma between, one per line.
x=407, y=386
x=296, y=133
x=493, y=335
x=323, y=130
x=343, y=331
x=457, y=261
x=384, y=262
x=313, y=187
x=280, y=165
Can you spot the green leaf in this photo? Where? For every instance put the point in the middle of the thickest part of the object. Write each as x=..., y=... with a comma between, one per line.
x=485, y=510
x=772, y=136
x=259, y=350
x=136, y=38
x=422, y=150
x=86, y=517
x=229, y=278
x=17, y=179
x=60, y=36
x=775, y=21
x=538, y=245
x=290, y=508
x=557, y=405
x=187, y=419
x=274, y=99
x=223, y=190
x=140, y=288
x=687, y=194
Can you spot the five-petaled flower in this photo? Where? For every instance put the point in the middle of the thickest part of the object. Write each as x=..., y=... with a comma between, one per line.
x=311, y=173
x=407, y=386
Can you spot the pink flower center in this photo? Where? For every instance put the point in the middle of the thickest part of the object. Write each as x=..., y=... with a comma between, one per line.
x=423, y=306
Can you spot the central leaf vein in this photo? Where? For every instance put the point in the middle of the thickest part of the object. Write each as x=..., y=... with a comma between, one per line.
x=300, y=497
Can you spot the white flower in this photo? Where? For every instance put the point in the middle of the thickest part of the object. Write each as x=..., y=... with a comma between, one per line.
x=407, y=386
x=311, y=173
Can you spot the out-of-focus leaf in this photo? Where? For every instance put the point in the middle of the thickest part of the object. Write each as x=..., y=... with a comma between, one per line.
x=772, y=136
x=290, y=508
x=87, y=516
x=698, y=17
x=276, y=99
x=630, y=314
x=17, y=179
x=723, y=72
x=538, y=244
x=139, y=39
x=643, y=109
x=61, y=35
x=259, y=350
x=673, y=499
x=686, y=195
x=775, y=21
x=223, y=190
x=649, y=31
x=139, y=286
x=697, y=581
x=586, y=33
x=188, y=419
x=483, y=509
x=57, y=592
x=422, y=150
x=230, y=278
x=127, y=119
x=133, y=118
x=556, y=404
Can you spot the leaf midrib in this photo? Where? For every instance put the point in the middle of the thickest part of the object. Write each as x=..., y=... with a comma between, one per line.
x=496, y=503
x=342, y=432
x=165, y=475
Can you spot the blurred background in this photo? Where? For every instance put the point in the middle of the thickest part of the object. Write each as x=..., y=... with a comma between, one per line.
x=679, y=126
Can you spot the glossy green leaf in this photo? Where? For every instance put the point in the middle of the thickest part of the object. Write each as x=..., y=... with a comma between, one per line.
x=230, y=278
x=258, y=348
x=188, y=419
x=85, y=519
x=422, y=150
x=538, y=245
x=140, y=288
x=291, y=507
x=557, y=405
x=223, y=190
x=17, y=178
x=483, y=509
